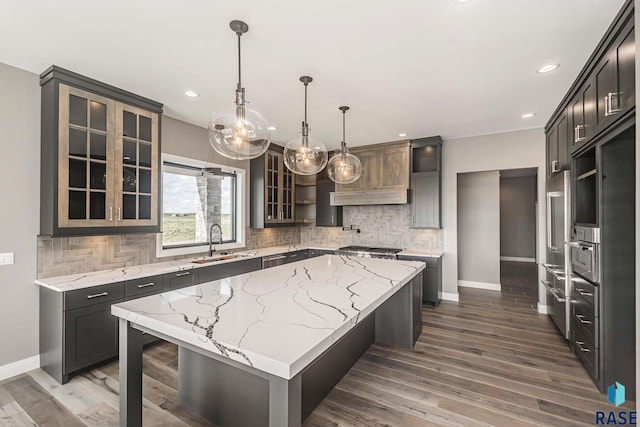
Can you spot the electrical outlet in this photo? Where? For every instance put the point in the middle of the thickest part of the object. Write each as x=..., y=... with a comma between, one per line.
x=6, y=258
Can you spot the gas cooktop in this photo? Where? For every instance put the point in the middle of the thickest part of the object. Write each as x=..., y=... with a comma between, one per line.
x=369, y=249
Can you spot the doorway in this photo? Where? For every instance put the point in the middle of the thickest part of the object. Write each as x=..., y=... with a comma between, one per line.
x=497, y=236
x=518, y=249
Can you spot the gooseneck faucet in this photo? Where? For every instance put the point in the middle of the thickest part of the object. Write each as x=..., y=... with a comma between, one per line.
x=219, y=242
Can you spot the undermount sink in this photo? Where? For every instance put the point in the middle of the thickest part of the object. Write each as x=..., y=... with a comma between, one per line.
x=218, y=258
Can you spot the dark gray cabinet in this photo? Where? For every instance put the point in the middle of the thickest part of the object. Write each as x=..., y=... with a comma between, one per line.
x=431, y=277
x=416, y=297
x=326, y=215
x=180, y=279
x=77, y=329
x=426, y=182
x=319, y=252
x=144, y=286
x=296, y=256
x=558, y=145
x=220, y=271
x=582, y=115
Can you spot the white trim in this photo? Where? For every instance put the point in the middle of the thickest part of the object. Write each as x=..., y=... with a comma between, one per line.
x=451, y=297
x=480, y=285
x=543, y=309
x=240, y=211
x=19, y=367
x=517, y=259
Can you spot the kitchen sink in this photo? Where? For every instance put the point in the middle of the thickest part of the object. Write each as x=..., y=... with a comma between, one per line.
x=218, y=258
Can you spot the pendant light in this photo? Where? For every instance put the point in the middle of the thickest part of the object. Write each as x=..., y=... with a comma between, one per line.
x=304, y=155
x=242, y=133
x=344, y=168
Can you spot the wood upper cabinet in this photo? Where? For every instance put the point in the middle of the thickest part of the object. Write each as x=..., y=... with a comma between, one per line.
x=99, y=158
x=384, y=167
x=272, y=190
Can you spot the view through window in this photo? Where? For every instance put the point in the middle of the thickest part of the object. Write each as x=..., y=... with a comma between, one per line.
x=193, y=199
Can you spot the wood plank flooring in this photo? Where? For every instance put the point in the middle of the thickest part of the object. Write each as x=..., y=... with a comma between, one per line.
x=488, y=360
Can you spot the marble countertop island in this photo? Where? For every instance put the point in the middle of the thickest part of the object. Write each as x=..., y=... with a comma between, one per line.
x=276, y=320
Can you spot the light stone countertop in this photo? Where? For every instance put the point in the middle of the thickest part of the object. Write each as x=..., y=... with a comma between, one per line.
x=96, y=278
x=277, y=320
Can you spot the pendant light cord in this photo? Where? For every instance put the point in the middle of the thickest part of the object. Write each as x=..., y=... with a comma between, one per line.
x=239, y=64
x=305, y=102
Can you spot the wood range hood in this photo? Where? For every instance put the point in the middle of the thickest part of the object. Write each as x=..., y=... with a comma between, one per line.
x=384, y=180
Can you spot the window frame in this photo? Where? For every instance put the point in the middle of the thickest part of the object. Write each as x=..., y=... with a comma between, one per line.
x=238, y=220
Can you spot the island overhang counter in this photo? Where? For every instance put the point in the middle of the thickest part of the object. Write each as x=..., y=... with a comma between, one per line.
x=270, y=344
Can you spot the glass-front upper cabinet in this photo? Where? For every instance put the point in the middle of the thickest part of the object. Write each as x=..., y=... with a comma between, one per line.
x=85, y=152
x=136, y=166
x=99, y=158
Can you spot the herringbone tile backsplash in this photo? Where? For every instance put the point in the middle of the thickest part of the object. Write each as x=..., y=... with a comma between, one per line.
x=379, y=226
x=62, y=256
x=385, y=226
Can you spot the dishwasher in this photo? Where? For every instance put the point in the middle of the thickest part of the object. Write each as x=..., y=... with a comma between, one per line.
x=272, y=261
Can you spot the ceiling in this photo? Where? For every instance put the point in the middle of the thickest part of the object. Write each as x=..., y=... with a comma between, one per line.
x=426, y=68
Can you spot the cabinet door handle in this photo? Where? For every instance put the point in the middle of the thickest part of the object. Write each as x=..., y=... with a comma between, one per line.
x=608, y=109
x=555, y=166
x=119, y=213
x=110, y=213
x=580, y=345
x=186, y=273
x=580, y=318
x=577, y=133
x=146, y=285
x=102, y=294
x=331, y=219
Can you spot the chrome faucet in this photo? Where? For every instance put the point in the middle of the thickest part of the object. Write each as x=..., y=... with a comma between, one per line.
x=211, y=247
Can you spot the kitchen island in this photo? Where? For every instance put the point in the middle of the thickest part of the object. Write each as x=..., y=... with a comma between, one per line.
x=264, y=348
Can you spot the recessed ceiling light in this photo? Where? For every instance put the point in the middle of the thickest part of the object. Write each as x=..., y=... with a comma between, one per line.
x=548, y=68
x=191, y=94
x=272, y=128
x=402, y=134
x=527, y=115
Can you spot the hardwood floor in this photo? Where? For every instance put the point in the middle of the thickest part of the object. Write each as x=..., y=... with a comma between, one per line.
x=488, y=360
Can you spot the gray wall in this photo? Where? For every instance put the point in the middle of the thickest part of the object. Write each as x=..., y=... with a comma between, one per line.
x=479, y=227
x=510, y=150
x=19, y=215
x=518, y=217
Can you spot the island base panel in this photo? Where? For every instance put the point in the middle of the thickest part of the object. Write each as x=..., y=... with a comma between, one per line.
x=229, y=396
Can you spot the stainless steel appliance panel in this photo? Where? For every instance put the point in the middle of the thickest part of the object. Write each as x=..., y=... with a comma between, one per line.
x=585, y=255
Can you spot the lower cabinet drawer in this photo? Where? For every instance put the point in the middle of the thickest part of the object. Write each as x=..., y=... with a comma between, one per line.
x=93, y=295
x=582, y=318
x=586, y=351
x=180, y=279
x=90, y=336
x=142, y=287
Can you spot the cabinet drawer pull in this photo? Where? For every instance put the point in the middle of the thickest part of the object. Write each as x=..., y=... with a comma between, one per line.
x=102, y=294
x=146, y=285
x=584, y=293
x=186, y=273
x=580, y=345
x=581, y=319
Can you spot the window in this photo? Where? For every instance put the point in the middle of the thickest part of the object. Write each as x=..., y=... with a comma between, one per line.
x=195, y=197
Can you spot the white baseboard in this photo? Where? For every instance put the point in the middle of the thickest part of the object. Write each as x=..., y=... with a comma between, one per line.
x=517, y=259
x=480, y=285
x=543, y=309
x=19, y=367
x=450, y=297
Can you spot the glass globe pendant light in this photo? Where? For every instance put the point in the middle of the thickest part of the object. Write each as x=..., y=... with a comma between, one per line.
x=343, y=167
x=304, y=155
x=242, y=133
